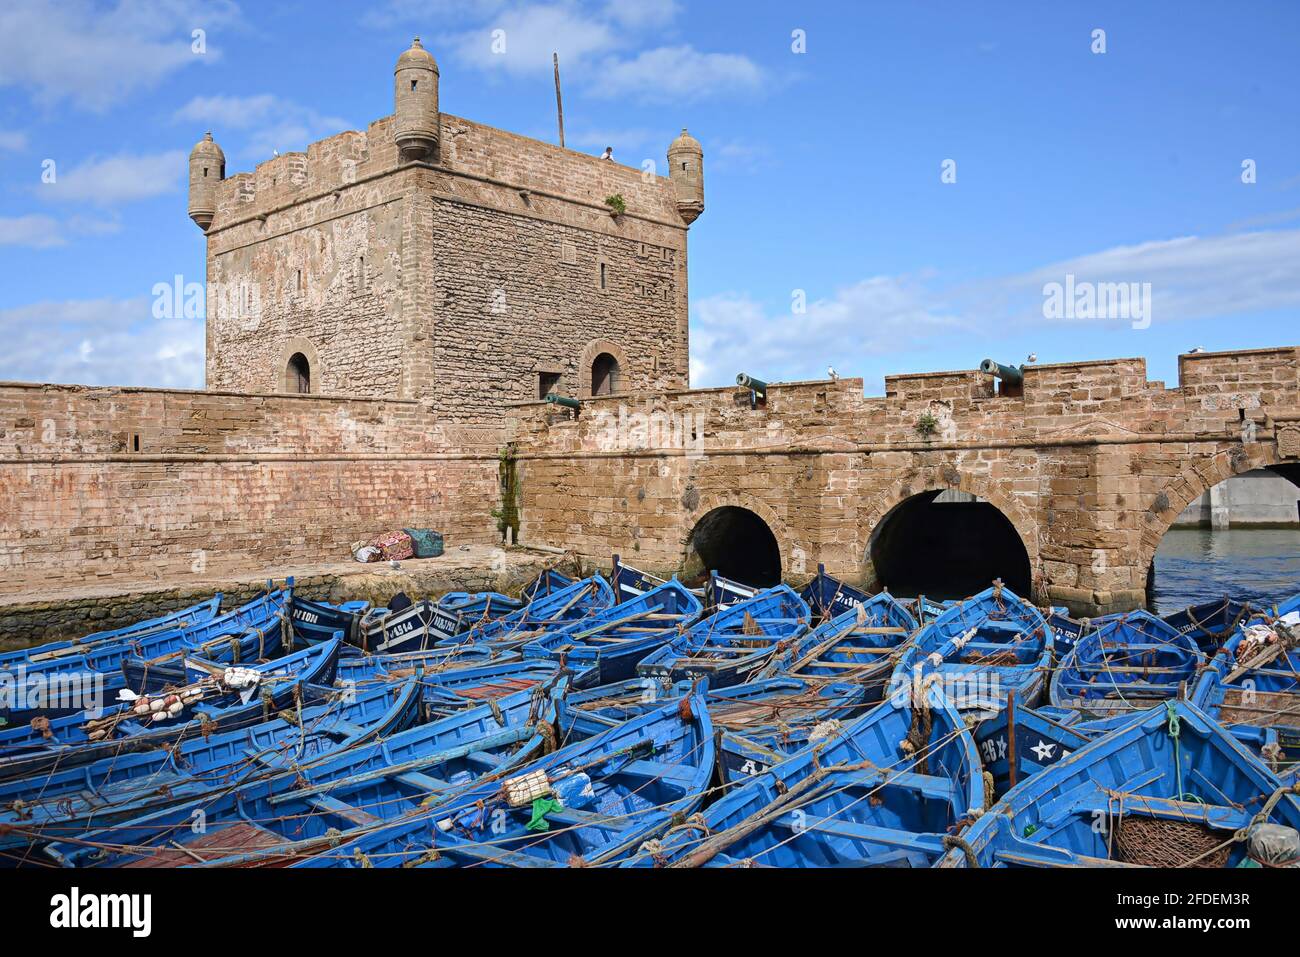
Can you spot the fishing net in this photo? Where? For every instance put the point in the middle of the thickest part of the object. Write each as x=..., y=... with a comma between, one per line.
x=994, y=659
x=1260, y=707
x=1160, y=842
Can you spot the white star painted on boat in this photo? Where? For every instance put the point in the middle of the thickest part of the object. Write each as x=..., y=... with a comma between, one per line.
x=1002, y=747
x=1043, y=750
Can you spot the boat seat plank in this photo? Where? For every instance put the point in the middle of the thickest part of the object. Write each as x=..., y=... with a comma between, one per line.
x=329, y=805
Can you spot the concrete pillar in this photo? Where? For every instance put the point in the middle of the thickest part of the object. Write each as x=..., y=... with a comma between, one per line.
x=1219, y=511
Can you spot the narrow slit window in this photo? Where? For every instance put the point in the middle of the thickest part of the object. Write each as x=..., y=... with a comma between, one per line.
x=602, y=276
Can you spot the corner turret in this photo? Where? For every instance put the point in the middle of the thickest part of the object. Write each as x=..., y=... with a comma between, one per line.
x=207, y=169
x=686, y=170
x=415, y=124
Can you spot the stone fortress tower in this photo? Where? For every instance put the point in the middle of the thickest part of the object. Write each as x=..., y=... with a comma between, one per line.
x=434, y=258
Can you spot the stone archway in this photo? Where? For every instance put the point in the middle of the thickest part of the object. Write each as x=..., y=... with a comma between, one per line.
x=738, y=531
x=1198, y=477
x=593, y=351
x=1000, y=516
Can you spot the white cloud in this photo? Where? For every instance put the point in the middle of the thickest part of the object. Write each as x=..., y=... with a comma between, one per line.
x=100, y=342
x=592, y=40
x=732, y=333
x=36, y=232
x=96, y=54
x=13, y=140
x=272, y=122
x=675, y=74
x=530, y=34
x=1191, y=277
x=114, y=180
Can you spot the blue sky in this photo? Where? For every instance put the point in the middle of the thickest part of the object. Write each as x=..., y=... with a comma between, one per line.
x=823, y=168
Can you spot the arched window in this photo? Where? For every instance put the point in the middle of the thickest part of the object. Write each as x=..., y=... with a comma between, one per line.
x=297, y=374
x=604, y=375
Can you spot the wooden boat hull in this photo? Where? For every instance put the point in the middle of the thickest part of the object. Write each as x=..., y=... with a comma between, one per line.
x=856, y=798
x=1168, y=788
x=640, y=776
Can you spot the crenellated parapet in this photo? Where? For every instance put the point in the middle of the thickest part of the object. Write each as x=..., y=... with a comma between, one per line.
x=1089, y=462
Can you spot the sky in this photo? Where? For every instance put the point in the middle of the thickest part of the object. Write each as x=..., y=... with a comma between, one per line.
x=890, y=187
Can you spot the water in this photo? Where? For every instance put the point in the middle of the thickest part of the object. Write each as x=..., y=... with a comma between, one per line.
x=1196, y=564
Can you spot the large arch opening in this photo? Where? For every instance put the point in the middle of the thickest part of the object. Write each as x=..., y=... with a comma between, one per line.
x=946, y=544
x=737, y=544
x=1240, y=539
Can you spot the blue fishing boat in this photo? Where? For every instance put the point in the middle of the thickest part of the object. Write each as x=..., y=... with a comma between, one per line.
x=1210, y=623
x=1018, y=742
x=416, y=627
x=546, y=583
x=288, y=817
x=362, y=669
x=144, y=677
x=63, y=685
x=1128, y=664
x=1252, y=687
x=991, y=645
x=480, y=605
x=589, y=804
x=631, y=583
x=557, y=610
x=86, y=736
x=829, y=597
x=317, y=621
x=1066, y=630
x=773, y=717
x=861, y=645
x=925, y=610
x=70, y=801
x=890, y=789
x=188, y=617
x=721, y=593
x=1168, y=788
x=607, y=645
x=734, y=644
x=445, y=692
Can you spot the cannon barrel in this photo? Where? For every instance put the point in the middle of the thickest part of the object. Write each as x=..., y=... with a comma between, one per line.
x=749, y=382
x=563, y=400
x=1008, y=374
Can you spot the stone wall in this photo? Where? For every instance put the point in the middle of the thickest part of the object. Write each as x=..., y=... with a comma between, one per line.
x=460, y=281
x=123, y=486
x=1090, y=465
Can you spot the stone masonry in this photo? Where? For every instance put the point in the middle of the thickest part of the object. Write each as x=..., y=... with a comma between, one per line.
x=1090, y=465
x=428, y=288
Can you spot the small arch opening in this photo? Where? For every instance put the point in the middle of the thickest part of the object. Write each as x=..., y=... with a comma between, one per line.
x=605, y=375
x=946, y=544
x=297, y=374
x=1239, y=539
x=737, y=544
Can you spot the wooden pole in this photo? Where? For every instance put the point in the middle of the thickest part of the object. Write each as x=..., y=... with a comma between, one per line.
x=1011, y=736
x=559, y=103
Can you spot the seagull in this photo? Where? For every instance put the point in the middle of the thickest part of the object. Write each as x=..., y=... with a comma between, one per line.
x=1032, y=357
x=275, y=152
x=832, y=373
x=1193, y=351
